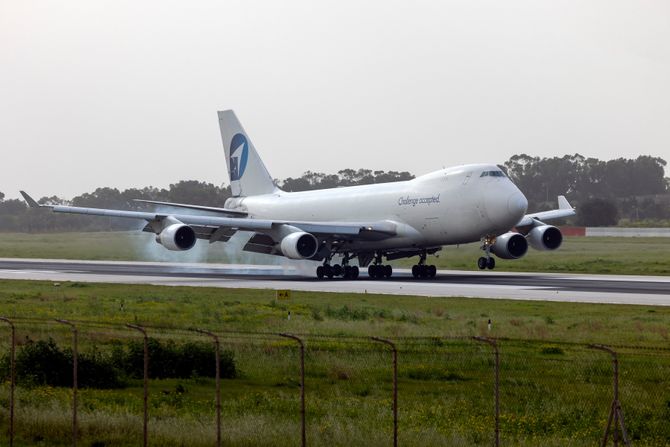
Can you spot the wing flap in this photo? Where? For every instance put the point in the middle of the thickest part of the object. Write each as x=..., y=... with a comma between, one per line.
x=260, y=243
x=194, y=207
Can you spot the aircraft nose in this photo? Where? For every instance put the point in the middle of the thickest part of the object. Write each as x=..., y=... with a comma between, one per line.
x=505, y=207
x=517, y=204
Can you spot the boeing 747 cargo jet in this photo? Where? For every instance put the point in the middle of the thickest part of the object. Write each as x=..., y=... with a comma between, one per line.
x=367, y=223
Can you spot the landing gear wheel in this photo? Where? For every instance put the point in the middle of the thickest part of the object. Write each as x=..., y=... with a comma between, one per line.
x=354, y=272
x=415, y=270
x=337, y=270
x=482, y=263
x=423, y=271
x=319, y=272
x=380, y=271
x=432, y=271
x=328, y=271
x=491, y=264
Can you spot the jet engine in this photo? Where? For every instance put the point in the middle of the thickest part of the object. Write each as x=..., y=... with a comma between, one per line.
x=510, y=246
x=545, y=237
x=299, y=245
x=177, y=237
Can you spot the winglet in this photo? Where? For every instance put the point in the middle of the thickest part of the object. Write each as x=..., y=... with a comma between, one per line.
x=563, y=203
x=29, y=200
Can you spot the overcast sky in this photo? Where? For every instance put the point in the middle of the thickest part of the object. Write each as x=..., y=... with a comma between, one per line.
x=125, y=93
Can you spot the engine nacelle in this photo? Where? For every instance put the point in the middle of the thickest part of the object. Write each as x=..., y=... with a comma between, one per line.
x=545, y=237
x=177, y=237
x=510, y=246
x=299, y=245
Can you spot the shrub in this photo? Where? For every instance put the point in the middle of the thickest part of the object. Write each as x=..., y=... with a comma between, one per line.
x=97, y=370
x=44, y=363
x=169, y=360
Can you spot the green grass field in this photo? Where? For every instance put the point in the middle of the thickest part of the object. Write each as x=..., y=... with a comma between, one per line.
x=554, y=390
x=630, y=256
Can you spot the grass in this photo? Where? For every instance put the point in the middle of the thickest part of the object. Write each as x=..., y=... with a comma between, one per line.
x=630, y=256
x=554, y=390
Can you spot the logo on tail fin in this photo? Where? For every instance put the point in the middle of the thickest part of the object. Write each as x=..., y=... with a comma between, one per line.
x=239, y=154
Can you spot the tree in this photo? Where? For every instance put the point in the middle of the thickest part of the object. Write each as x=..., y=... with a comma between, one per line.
x=597, y=212
x=2, y=197
x=346, y=177
x=200, y=193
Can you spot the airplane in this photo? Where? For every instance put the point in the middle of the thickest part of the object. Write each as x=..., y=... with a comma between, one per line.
x=369, y=223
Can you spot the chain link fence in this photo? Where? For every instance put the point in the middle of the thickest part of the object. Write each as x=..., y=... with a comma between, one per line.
x=338, y=390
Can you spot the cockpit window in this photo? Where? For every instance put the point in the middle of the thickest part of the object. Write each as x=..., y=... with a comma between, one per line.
x=493, y=174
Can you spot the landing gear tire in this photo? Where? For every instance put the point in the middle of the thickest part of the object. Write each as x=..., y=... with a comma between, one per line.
x=378, y=271
x=482, y=263
x=337, y=270
x=424, y=271
x=491, y=264
x=319, y=272
x=354, y=272
x=328, y=271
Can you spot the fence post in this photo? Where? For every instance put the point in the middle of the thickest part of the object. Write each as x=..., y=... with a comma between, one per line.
x=496, y=384
x=302, y=385
x=616, y=413
x=217, y=356
x=146, y=381
x=394, y=350
x=74, y=379
x=12, y=379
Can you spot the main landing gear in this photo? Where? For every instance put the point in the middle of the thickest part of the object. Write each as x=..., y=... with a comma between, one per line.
x=345, y=270
x=421, y=270
x=378, y=270
x=487, y=262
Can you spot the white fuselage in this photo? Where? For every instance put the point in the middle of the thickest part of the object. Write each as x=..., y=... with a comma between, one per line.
x=450, y=206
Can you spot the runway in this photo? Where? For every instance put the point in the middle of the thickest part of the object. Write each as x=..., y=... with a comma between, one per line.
x=649, y=290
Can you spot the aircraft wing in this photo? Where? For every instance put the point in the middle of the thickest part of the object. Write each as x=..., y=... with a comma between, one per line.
x=222, y=228
x=194, y=207
x=564, y=210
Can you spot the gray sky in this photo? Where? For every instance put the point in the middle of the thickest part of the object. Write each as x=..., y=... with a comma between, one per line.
x=125, y=93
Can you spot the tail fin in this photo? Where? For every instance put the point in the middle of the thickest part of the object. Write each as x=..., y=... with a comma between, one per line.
x=248, y=175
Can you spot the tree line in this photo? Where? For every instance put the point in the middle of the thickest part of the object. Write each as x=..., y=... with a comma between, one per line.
x=603, y=191
x=16, y=216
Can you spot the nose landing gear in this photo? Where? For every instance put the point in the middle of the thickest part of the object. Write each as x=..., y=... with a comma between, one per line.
x=487, y=262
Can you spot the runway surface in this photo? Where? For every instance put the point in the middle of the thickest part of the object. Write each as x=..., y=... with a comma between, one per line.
x=652, y=290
